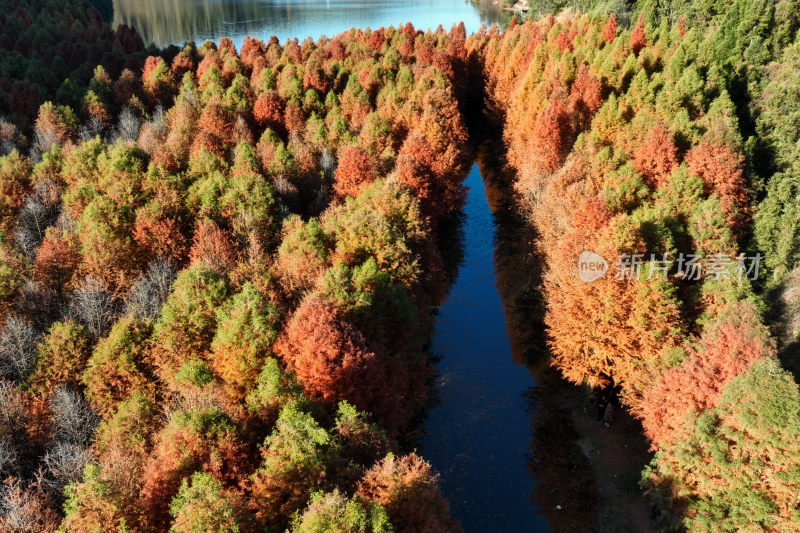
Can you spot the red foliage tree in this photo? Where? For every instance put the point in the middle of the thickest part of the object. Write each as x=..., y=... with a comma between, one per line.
x=53, y=126
x=563, y=40
x=409, y=30
x=314, y=76
x=610, y=29
x=15, y=181
x=294, y=52
x=336, y=49
x=56, y=260
x=551, y=133
x=409, y=491
x=413, y=169
x=586, y=97
x=294, y=118
x=157, y=80
x=268, y=111
x=126, y=86
x=638, y=38
x=356, y=169
x=331, y=359
x=721, y=168
x=226, y=47
x=210, y=60
x=424, y=54
x=656, y=157
x=251, y=50
x=213, y=246
x=376, y=39
x=725, y=350
x=181, y=64
x=682, y=25
x=190, y=442
x=215, y=130
x=159, y=235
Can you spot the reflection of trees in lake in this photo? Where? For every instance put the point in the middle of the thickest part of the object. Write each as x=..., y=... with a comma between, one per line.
x=493, y=11
x=163, y=22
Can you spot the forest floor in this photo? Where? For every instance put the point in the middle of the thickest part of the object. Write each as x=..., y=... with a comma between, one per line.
x=587, y=476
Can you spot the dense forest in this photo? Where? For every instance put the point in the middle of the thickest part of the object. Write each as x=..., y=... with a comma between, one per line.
x=215, y=304
x=220, y=267
x=652, y=142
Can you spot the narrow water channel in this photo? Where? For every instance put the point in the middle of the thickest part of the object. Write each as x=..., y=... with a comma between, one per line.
x=478, y=435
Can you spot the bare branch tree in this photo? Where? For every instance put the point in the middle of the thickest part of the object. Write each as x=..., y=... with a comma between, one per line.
x=17, y=349
x=18, y=456
x=38, y=303
x=10, y=138
x=64, y=463
x=26, y=508
x=288, y=196
x=327, y=160
x=8, y=457
x=92, y=306
x=33, y=220
x=43, y=142
x=13, y=412
x=73, y=420
x=127, y=126
x=150, y=290
x=91, y=129
x=39, y=212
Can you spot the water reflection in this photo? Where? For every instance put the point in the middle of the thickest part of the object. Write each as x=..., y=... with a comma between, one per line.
x=163, y=22
x=478, y=435
x=564, y=489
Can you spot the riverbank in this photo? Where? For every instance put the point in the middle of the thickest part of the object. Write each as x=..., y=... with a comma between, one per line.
x=586, y=475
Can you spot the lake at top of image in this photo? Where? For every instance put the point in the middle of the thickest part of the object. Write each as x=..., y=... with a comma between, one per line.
x=165, y=22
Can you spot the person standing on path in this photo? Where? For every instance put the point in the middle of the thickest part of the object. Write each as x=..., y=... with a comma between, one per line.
x=608, y=415
x=602, y=404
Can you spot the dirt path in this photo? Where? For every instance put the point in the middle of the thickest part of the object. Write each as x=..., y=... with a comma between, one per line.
x=617, y=455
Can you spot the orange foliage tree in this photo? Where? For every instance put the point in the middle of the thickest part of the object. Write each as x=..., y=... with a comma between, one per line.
x=610, y=29
x=356, y=169
x=656, y=157
x=721, y=167
x=331, y=359
x=725, y=350
x=409, y=491
x=638, y=38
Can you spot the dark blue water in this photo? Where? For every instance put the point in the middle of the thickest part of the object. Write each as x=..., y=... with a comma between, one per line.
x=478, y=435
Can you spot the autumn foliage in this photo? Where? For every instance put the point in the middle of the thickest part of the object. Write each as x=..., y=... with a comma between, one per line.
x=615, y=155
x=355, y=170
x=218, y=270
x=218, y=274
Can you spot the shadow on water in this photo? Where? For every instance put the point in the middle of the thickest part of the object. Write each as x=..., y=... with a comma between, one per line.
x=478, y=433
x=518, y=448
x=585, y=475
x=450, y=243
x=564, y=490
